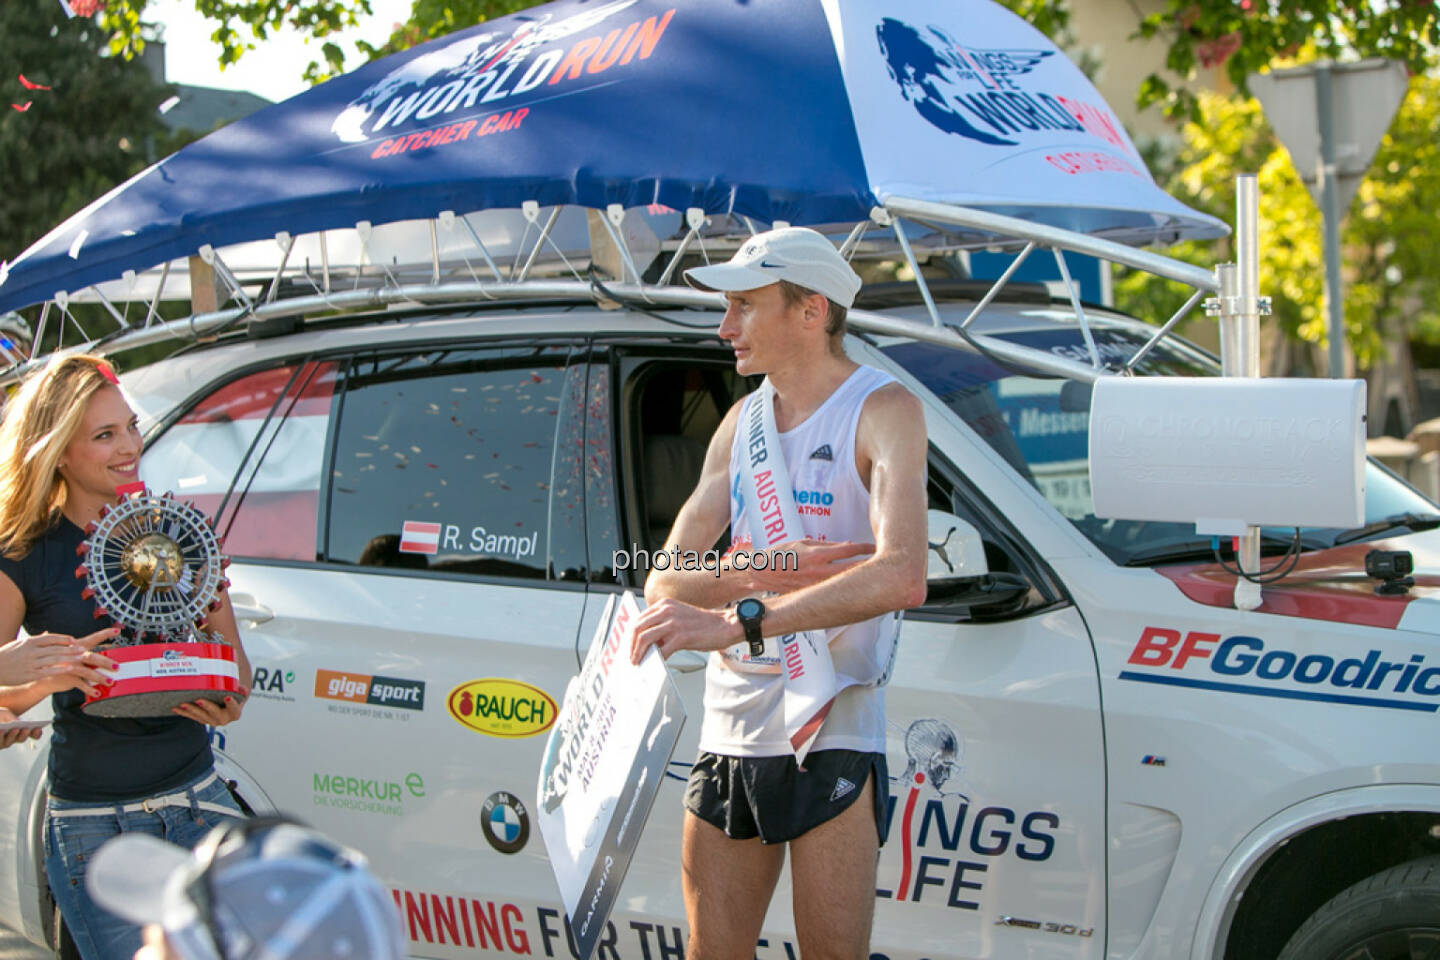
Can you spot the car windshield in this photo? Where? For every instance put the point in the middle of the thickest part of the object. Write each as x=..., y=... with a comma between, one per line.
x=1040, y=426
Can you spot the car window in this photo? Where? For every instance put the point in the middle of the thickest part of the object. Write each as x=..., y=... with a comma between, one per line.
x=593, y=462
x=1040, y=426
x=1006, y=553
x=445, y=461
x=250, y=456
x=674, y=406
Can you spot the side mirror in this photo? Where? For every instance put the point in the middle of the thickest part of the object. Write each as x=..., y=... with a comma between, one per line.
x=956, y=572
x=955, y=550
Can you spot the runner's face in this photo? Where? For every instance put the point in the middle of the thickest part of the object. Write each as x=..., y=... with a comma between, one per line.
x=105, y=451
x=760, y=328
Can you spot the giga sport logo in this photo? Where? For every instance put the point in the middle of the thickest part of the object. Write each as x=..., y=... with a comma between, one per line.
x=1247, y=665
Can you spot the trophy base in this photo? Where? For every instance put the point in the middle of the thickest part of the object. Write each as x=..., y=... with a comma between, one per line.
x=153, y=678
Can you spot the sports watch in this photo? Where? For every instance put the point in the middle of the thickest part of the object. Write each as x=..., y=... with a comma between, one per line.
x=750, y=612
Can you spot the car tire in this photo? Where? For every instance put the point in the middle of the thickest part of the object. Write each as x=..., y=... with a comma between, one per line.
x=1393, y=915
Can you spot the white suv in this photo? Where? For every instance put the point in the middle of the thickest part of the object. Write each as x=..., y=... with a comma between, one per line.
x=1092, y=752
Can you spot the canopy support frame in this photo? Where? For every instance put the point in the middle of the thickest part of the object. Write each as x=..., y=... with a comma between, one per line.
x=110, y=308
x=1010, y=230
x=930, y=307
x=287, y=243
x=40, y=328
x=679, y=254
x=1140, y=354
x=480, y=245
x=998, y=285
x=365, y=229
x=609, y=217
x=1074, y=290
x=154, y=309
x=847, y=249
x=62, y=301
x=532, y=213
x=202, y=326
x=1057, y=239
x=434, y=250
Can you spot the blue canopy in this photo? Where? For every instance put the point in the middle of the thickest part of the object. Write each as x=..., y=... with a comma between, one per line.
x=806, y=111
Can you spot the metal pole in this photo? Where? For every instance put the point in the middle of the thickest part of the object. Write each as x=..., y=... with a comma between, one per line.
x=1247, y=259
x=1245, y=359
x=1227, y=278
x=1330, y=213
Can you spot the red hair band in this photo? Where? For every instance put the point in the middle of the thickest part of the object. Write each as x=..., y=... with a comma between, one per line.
x=107, y=373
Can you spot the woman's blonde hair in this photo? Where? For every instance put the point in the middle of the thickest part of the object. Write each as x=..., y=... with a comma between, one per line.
x=38, y=423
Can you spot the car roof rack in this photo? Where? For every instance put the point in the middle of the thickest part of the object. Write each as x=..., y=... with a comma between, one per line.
x=536, y=268
x=901, y=293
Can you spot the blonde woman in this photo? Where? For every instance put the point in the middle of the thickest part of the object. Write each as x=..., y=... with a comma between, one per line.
x=67, y=440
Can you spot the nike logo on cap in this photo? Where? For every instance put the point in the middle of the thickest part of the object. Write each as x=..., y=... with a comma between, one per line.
x=772, y=266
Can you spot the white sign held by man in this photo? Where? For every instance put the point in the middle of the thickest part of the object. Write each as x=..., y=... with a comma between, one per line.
x=603, y=765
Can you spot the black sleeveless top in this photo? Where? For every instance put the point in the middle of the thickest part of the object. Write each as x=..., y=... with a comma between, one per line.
x=101, y=759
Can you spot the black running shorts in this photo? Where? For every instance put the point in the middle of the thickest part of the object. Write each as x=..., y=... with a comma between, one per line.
x=770, y=798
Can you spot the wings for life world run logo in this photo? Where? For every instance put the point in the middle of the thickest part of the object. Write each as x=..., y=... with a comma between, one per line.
x=992, y=96
x=471, y=88
x=947, y=842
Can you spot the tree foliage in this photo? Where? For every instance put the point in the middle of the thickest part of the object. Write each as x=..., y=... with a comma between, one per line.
x=1247, y=36
x=1391, y=288
x=1239, y=36
x=1392, y=280
x=95, y=127
x=242, y=25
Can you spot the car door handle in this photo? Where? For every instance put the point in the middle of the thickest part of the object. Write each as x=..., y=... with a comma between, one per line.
x=686, y=661
x=246, y=607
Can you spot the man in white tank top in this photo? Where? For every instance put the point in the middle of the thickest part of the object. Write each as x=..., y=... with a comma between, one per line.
x=853, y=445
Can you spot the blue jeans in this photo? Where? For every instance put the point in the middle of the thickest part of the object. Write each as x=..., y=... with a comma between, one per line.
x=70, y=842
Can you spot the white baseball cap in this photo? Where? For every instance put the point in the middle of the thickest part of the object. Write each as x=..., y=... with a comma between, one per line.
x=798, y=254
x=265, y=887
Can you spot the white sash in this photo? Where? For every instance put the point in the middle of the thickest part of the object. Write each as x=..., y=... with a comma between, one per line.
x=803, y=658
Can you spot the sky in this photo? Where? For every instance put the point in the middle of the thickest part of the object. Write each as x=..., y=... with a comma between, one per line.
x=272, y=70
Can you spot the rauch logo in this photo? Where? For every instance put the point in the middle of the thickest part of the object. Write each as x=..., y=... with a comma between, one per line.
x=502, y=708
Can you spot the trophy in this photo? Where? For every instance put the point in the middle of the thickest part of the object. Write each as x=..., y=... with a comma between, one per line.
x=152, y=563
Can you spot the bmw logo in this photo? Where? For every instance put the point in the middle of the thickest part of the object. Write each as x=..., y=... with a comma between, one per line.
x=505, y=822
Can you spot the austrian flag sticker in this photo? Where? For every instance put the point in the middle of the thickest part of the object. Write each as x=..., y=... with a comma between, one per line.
x=417, y=537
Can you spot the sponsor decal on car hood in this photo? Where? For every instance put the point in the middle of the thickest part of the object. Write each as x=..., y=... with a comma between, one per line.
x=498, y=707
x=1332, y=585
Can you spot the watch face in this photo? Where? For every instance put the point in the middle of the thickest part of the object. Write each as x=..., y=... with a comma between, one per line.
x=749, y=608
